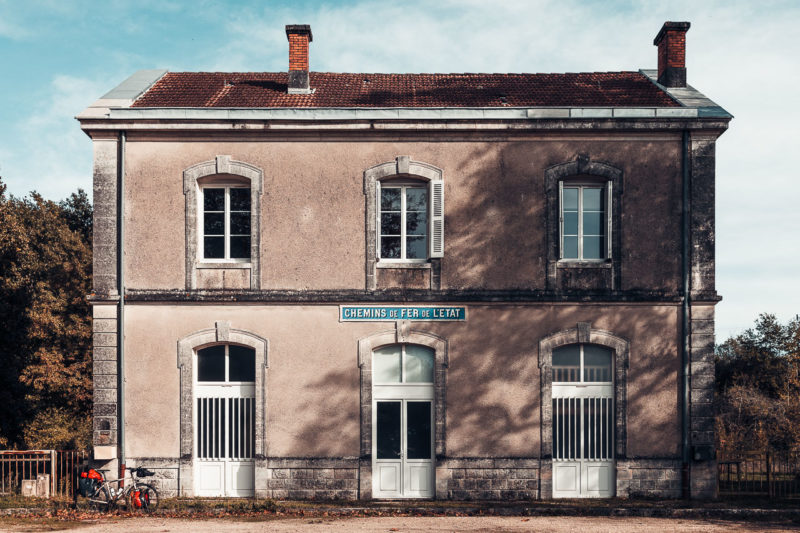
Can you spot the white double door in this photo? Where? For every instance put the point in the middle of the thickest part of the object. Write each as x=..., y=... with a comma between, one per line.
x=402, y=442
x=224, y=421
x=583, y=441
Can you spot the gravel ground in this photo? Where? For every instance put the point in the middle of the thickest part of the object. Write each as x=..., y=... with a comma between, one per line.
x=420, y=524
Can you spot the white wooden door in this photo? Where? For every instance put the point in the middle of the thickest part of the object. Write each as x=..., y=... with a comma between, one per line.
x=583, y=443
x=403, y=449
x=225, y=440
x=402, y=422
x=224, y=416
x=583, y=424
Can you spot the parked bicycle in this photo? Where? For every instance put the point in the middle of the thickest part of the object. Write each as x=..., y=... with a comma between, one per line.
x=104, y=494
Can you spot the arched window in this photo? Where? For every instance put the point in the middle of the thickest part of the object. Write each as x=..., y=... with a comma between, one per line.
x=402, y=363
x=226, y=363
x=405, y=217
x=583, y=217
x=582, y=363
x=403, y=221
x=225, y=225
x=223, y=213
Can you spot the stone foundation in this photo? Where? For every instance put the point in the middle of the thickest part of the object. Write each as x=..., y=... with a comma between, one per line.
x=166, y=478
x=308, y=479
x=489, y=479
x=649, y=478
x=507, y=479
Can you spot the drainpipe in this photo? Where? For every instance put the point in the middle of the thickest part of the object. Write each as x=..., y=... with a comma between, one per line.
x=685, y=348
x=121, y=288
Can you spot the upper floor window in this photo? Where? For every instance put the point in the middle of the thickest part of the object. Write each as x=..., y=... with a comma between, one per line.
x=225, y=221
x=403, y=222
x=585, y=221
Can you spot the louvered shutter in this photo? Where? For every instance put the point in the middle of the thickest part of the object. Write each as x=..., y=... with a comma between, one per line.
x=609, y=239
x=561, y=220
x=377, y=219
x=436, y=195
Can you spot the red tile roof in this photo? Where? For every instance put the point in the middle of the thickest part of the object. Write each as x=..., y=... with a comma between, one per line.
x=268, y=89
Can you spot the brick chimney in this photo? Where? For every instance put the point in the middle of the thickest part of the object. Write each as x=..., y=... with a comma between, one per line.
x=299, y=36
x=671, y=42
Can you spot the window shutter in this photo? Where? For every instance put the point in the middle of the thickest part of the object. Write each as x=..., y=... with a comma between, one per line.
x=609, y=239
x=436, y=195
x=560, y=220
x=377, y=219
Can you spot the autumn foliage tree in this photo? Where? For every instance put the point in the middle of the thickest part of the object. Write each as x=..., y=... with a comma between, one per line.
x=758, y=387
x=45, y=338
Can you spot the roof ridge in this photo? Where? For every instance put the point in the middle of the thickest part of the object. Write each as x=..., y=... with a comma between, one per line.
x=239, y=73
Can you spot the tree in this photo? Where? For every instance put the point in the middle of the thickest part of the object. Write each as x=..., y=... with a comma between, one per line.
x=758, y=384
x=45, y=341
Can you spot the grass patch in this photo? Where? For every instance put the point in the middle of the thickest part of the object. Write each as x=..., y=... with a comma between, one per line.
x=16, y=501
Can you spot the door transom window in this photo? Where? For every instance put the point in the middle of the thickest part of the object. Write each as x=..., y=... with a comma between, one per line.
x=402, y=363
x=226, y=364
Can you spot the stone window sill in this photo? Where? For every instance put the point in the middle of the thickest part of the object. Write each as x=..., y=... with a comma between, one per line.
x=570, y=263
x=224, y=264
x=402, y=264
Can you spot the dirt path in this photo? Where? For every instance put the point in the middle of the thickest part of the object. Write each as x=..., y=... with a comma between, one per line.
x=419, y=524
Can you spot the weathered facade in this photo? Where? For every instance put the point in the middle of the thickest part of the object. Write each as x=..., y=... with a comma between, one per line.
x=314, y=285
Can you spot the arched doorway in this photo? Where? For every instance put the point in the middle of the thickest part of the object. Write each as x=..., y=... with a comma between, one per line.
x=224, y=415
x=583, y=422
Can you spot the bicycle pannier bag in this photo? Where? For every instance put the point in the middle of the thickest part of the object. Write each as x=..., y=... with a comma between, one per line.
x=88, y=482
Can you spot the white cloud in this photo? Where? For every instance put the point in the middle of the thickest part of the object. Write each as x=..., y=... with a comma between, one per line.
x=52, y=154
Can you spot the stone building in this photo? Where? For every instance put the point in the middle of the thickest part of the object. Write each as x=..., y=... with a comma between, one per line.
x=453, y=286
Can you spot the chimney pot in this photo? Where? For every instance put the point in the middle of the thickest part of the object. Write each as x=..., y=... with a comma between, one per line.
x=299, y=35
x=671, y=42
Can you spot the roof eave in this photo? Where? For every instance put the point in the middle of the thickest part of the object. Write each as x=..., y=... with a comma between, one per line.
x=123, y=95
x=689, y=97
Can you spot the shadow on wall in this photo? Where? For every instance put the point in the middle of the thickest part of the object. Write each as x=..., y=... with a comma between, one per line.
x=496, y=216
x=495, y=239
x=333, y=420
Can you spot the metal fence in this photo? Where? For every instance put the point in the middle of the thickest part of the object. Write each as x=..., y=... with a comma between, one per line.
x=772, y=474
x=61, y=465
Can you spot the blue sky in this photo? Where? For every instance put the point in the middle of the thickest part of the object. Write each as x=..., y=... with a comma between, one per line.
x=58, y=56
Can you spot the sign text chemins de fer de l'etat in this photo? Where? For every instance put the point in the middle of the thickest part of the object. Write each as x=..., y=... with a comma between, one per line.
x=360, y=313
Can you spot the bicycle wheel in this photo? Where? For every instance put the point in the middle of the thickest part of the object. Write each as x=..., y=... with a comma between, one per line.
x=143, y=498
x=100, y=500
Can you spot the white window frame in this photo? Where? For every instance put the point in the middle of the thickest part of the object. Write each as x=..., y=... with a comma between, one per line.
x=227, y=381
x=403, y=383
x=582, y=366
x=606, y=187
x=227, y=220
x=404, y=185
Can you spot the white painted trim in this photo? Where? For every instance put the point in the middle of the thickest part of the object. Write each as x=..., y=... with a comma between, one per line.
x=394, y=113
